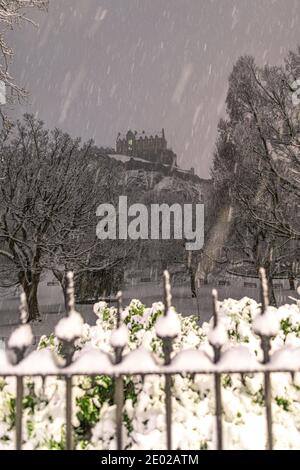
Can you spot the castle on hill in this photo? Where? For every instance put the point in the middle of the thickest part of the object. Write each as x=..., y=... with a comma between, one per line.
x=152, y=148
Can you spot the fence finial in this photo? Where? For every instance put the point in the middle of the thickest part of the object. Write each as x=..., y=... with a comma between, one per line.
x=23, y=309
x=167, y=291
x=22, y=337
x=217, y=335
x=69, y=328
x=264, y=289
x=70, y=292
x=214, y=294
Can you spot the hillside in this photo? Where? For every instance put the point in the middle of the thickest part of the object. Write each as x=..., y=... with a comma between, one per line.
x=147, y=176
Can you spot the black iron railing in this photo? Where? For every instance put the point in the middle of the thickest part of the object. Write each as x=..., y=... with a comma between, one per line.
x=16, y=364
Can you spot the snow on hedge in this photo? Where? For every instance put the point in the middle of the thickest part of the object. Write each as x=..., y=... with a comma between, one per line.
x=193, y=397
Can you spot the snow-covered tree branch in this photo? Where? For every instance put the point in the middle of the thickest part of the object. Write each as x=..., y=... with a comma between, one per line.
x=13, y=13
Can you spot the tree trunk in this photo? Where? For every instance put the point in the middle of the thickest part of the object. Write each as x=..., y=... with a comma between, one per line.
x=30, y=283
x=292, y=283
x=193, y=283
x=272, y=297
x=61, y=276
x=64, y=289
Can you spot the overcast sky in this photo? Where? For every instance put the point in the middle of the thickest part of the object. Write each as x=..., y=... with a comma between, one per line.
x=97, y=67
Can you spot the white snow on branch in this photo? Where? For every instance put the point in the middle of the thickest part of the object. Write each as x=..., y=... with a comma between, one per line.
x=218, y=336
x=99, y=307
x=267, y=324
x=90, y=361
x=286, y=358
x=191, y=360
x=20, y=338
x=238, y=358
x=168, y=326
x=39, y=362
x=138, y=361
x=119, y=338
x=69, y=328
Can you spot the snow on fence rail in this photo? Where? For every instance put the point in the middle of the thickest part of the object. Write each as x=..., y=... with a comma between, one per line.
x=93, y=362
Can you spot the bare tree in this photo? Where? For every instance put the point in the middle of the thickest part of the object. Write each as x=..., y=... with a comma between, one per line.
x=267, y=130
x=256, y=168
x=170, y=254
x=46, y=196
x=13, y=13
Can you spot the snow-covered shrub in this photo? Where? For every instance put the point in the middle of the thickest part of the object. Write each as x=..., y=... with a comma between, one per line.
x=144, y=414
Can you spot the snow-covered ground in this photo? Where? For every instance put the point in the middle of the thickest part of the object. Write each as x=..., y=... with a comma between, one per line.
x=52, y=303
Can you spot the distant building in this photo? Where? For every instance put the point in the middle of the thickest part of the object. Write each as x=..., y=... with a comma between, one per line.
x=151, y=147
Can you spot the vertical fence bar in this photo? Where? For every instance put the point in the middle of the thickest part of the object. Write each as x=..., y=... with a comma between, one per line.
x=119, y=401
x=167, y=350
x=218, y=397
x=168, y=400
x=264, y=291
x=119, y=382
x=268, y=404
x=69, y=439
x=217, y=377
x=266, y=346
x=19, y=411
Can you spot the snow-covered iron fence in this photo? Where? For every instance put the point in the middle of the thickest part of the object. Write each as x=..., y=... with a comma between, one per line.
x=140, y=362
